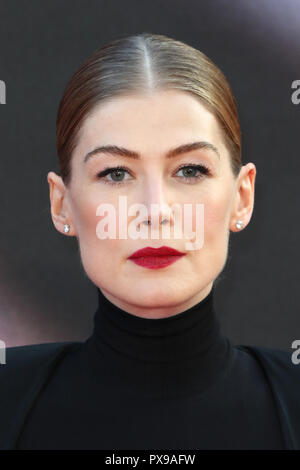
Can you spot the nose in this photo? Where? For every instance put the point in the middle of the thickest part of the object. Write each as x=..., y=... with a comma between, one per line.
x=162, y=221
x=157, y=205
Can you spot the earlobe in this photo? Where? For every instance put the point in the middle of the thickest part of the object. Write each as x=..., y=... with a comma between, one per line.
x=244, y=200
x=239, y=224
x=58, y=205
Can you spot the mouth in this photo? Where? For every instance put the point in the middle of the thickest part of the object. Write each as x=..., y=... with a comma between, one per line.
x=155, y=258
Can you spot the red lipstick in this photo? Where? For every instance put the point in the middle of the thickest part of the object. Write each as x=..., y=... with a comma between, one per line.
x=155, y=258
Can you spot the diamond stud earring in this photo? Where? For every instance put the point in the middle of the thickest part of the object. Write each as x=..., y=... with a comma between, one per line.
x=239, y=224
x=66, y=228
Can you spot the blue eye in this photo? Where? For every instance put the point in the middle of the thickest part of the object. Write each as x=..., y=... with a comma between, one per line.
x=192, y=169
x=117, y=173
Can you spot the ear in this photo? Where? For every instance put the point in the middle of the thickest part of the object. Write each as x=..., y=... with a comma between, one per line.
x=60, y=211
x=243, y=203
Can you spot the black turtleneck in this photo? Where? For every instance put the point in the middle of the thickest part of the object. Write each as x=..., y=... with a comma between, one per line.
x=167, y=357
x=169, y=383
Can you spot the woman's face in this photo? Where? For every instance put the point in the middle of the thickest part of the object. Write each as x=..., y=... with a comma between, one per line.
x=151, y=125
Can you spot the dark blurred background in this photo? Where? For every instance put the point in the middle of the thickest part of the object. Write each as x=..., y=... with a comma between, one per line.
x=44, y=294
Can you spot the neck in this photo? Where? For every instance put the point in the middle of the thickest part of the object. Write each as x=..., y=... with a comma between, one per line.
x=174, y=355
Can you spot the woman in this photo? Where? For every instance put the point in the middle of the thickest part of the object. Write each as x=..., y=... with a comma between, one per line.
x=153, y=121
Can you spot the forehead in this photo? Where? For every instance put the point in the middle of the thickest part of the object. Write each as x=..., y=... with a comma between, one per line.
x=152, y=123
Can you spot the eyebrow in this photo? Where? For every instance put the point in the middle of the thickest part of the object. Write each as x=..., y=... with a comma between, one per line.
x=115, y=150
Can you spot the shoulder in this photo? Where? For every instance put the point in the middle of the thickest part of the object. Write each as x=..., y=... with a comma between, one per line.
x=29, y=358
x=282, y=371
x=24, y=363
x=275, y=360
x=22, y=375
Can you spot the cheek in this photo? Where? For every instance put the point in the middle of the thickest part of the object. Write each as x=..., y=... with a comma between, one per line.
x=212, y=256
x=94, y=250
x=85, y=210
x=86, y=219
x=216, y=213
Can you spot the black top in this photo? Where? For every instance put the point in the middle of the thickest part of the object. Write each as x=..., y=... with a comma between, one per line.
x=169, y=383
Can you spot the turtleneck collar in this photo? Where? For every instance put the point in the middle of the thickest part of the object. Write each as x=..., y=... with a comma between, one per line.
x=180, y=353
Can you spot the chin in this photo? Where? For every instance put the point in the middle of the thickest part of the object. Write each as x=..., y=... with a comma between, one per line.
x=156, y=297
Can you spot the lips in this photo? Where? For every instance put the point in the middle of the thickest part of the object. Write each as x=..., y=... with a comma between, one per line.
x=154, y=258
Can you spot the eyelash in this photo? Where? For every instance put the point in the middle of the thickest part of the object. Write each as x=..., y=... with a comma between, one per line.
x=203, y=168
